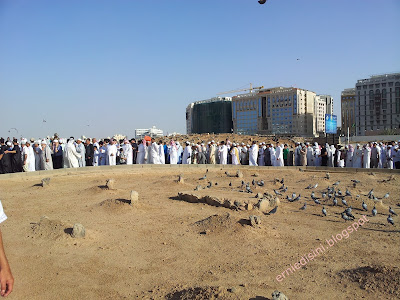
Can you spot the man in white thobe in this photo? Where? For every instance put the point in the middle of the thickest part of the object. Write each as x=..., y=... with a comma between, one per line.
x=253, y=153
x=72, y=155
x=46, y=159
x=272, y=153
x=261, y=161
x=310, y=155
x=154, y=153
x=187, y=153
x=279, y=155
x=127, y=152
x=173, y=153
x=366, y=156
x=112, y=153
x=80, y=148
x=223, y=154
x=357, y=157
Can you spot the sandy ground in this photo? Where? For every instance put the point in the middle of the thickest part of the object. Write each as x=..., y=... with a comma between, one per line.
x=165, y=248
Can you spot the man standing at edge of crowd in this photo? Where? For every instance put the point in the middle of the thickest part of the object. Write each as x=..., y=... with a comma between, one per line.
x=6, y=278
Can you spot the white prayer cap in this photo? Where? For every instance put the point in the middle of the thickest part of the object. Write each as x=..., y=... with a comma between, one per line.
x=177, y=143
x=79, y=140
x=44, y=142
x=248, y=145
x=9, y=143
x=260, y=144
x=208, y=143
x=307, y=143
x=242, y=144
x=202, y=144
x=23, y=142
x=272, y=145
x=358, y=145
x=234, y=144
x=346, y=147
x=212, y=141
x=389, y=145
x=187, y=143
x=193, y=145
x=315, y=144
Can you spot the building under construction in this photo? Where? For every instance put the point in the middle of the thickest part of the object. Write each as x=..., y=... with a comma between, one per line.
x=210, y=116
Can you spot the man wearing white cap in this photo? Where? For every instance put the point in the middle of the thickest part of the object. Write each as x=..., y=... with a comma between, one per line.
x=261, y=161
x=187, y=153
x=243, y=155
x=366, y=156
x=180, y=151
x=128, y=152
x=71, y=155
x=80, y=148
x=112, y=153
x=253, y=153
x=38, y=154
x=46, y=160
x=389, y=158
x=7, y=280
x=28, y=156
x=212, y=153
x=310, y=155
x=235, y=155
x=357, y=157
x=279, y=155
x=272, y=155
x=223, y=153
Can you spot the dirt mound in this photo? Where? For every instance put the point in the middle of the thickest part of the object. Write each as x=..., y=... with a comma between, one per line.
x=382, y=279
x=49, y=229
x=199, y=293
x=116, y=205
x=215, y=223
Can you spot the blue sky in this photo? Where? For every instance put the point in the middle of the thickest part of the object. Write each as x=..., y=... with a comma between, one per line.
x=119, y=65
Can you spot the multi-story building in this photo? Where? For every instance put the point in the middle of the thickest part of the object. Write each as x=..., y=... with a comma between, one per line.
x=280, y=110
x=328, y=103
x=348, y=107
x=319, y=112
x=151, y=132
x=210, y=116
x=378, y=104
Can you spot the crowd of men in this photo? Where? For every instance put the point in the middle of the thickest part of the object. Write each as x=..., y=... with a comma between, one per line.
x=55, y=153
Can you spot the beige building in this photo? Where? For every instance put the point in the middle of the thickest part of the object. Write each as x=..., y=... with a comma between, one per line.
x=279, y=110
x=320, y=109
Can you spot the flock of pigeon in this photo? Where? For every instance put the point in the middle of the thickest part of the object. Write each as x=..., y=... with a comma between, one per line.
x=331, y=193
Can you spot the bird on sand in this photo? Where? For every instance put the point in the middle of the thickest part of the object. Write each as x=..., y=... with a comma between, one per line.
x=316, y=201
x=334, y=202
x=230, y=183
x=204, y=177
x=349, y=214
x=261, y=183
x=273, y=210
x=336, y=183
x=392, y=211
x=386, y=196
x=304, y=206
x=374, y=211
x=324, y=211
x=345, y=217
x=277, y=193
x=344, y=202
x=364, y=206
x=390, y=220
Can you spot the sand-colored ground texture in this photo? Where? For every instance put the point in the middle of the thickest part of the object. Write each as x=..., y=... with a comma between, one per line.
x=178, y=243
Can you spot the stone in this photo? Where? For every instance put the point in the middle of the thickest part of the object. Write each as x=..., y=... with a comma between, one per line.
x=249, y=206
x=45, y=182
x=263, y=205
x=110, y=184
x=213, y=201
x=78, y=231
x=255, y=220
x=227, y=203
x=181, y=179
x=192, y=198
x=276, y=295
x=274, y=202
x=134, y=197
x=239, y=174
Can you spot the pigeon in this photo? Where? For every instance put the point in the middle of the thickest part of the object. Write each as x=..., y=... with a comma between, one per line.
x=339, y=192
x=344, y=202
x=355, y=181
x=297, y=198
x=207, y=171
x=304, y=206
x=313, y=196
x=289, y=199
x=327, y=176
x=349, y=209
x=209, y=184
x=236, y=204
x=316, y=201
x=334, y=202
x=390, y=220
x=364, y=206
x=324, y=195
x=230, y=183
x=282, y=181
x=204, y=177
x=386, y=196
x=253, y=182
x=282, y=187
x=293, y=195
x=336, y=183
x=262, y=1
x=349, y=214
x=277, y=193
x=273, y=210
x=285, y=189
x=374, y=211
x=248, y=189
x=309, y=187
x=315, y=186
x=216, y=183
x=345, y=217
x=370, y=194
x=261, y=183
x=324, y=211
x=392, y=211
x=348, y=193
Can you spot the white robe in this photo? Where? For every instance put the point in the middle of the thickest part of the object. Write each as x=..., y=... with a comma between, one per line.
x=112, y=154
x=279, y=156
x=261, y=160
x=161, y=155
x=243, y=155
x=72, y=155
x=331, y=157
x=173, y=155
x=349, y=159
x=235, y=156
x=187, y=153
x=80, y=148
x=366, y=157
x=128, y=153
x=310, y=156
x=223, y=155
x=38, y=158
x=272, y=155
x=30, y=158
x=153, y=154
x=357, y=158
x=253, y=153
x=141, y=154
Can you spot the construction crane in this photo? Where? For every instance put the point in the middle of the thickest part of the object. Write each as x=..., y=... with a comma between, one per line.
x=242, y=90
